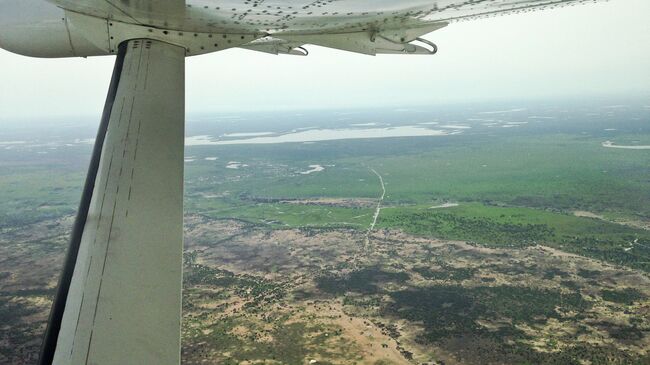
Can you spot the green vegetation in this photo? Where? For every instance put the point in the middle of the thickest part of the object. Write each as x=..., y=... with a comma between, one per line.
x=452, y=315
x=365, y=281
x=558, y=171
x=518, y=227
x=251, y=332
x=588, y=274
x=450, y=311
x=513, y=191
x=284, y=342
x=447, y=273
x=485, y=319
x=474, y=222
x=13, y=310
x=33, y=194
x=625, y=296
x=284, y=215
x=543, y=170
x=254, y=288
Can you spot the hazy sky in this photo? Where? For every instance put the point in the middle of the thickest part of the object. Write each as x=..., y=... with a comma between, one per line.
x=596, y=49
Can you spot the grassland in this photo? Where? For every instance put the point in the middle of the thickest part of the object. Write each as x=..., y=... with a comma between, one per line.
x=518, y=227
x=549, y=171
x=511, y=191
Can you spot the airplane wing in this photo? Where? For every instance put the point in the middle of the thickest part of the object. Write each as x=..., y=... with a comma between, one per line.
x=385, y=41
x=119, y=296
x=352, y=25
x=276, y=46
x=159, y=13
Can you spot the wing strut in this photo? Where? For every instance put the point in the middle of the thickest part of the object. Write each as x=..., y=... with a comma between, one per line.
x=119, y=296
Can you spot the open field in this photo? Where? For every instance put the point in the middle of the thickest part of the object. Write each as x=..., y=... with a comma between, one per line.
x=507, y=235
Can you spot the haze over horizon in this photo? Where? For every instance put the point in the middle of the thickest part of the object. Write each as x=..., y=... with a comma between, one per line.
x=595, y=50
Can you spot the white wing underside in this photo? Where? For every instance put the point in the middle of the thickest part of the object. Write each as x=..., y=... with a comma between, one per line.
x=282, y=26
x=124, y=302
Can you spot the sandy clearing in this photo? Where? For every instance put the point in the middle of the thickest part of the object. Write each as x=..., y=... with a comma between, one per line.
x=630, y=223
x=585, y=214
x=342, y=202
x=445, y=205
x=363, y=332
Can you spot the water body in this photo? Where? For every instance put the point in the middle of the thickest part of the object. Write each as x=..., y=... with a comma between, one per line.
x=253, y=134
x=455, y=126
x=504, y=111
x=235, y=165
x=610, y=144
x=315, y=135
x=312, y=168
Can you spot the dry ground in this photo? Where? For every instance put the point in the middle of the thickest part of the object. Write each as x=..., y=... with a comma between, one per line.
x=264, y=299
